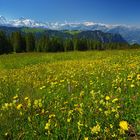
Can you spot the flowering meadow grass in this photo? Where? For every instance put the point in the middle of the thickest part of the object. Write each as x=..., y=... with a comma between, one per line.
x=70, y=96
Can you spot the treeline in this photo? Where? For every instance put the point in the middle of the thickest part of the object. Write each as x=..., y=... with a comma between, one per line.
x=19, y=42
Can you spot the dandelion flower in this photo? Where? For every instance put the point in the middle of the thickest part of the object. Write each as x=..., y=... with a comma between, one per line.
x=107, y=98
x=138, y=76
x=19, y=106
x=124, y=125
x=129, y=77
x=85, y=138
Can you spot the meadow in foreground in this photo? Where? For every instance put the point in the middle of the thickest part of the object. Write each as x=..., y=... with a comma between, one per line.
x=70, y=96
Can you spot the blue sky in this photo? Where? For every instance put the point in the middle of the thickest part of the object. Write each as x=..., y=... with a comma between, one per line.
x=104, y=11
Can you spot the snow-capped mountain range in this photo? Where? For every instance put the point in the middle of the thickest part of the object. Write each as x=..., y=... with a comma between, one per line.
x=130, y=34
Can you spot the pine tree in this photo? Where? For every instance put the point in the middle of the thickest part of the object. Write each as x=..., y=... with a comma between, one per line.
x=30, y=42
x=16, y=40
x=5, y=46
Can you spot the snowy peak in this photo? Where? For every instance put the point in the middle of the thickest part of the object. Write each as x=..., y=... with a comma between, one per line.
x=3, y=20
x=23, y=22
x=58, y=26
x=131, y=34
x=89, y=23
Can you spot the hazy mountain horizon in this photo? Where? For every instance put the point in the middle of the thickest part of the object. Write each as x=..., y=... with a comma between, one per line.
x=129, y=33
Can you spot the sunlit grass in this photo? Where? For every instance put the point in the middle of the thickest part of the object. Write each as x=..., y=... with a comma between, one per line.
x=75, y=95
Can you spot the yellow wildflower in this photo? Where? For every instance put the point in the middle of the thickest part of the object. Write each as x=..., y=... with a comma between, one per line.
x=6, y=105
x=129, y=77
x=124, y=125
x=138, y=76
x=76, y=105
x=114, y=135
x=70, y=112
x=51, y=116
x=79, y=125
x=61, y=81
x=26, y=98
x=100, y=109
x=102, y=102
x=118, y=106
x=47, y=126
x=65, y=102
x=114, y=100
x=113, y=110
x=107, y=98
x=95, y=129
x=36, y=103
x=132, y=86
x=19, y=106
x=15, y=97
x=107, y=112
x=92, y=94
x=85, y=138
x=6, y=134
x=68, y=120
x=111, y=126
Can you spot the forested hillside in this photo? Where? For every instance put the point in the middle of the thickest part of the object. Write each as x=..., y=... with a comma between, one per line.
x=39, y=40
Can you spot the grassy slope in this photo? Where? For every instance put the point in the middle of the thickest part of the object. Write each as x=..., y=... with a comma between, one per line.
x=67, y=94
x=33, y=30
x=73, y=32
x=24, y=59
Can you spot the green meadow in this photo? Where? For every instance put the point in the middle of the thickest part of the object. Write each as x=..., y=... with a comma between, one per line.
x=91, y=95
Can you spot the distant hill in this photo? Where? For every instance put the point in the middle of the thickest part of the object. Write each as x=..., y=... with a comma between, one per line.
x=101, y=36
x=94, y=35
